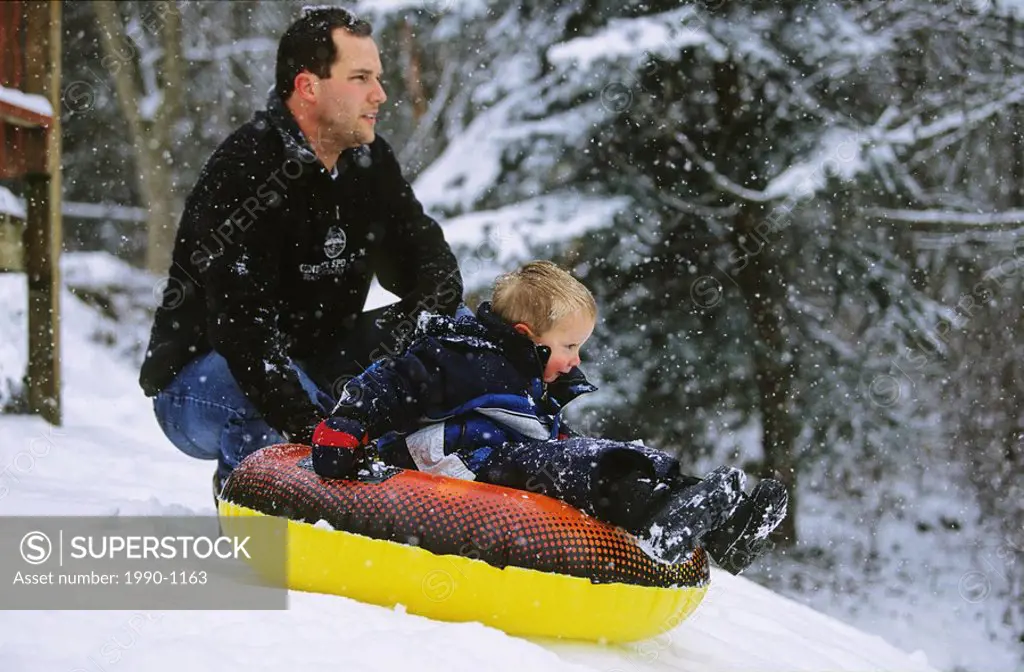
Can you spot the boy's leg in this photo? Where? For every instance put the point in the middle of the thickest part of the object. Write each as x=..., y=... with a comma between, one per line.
x=619, y=483
x=624, y=484
x=205, y=414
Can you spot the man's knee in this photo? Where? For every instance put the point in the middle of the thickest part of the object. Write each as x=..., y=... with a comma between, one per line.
x=243, y=436
x=193, y=430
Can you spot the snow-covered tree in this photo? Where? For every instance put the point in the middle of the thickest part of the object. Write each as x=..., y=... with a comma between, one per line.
x=151, y=89
x=767, y=171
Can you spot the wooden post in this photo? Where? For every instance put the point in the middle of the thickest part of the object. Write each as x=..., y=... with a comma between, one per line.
x=42, y=237
x=1016, y=116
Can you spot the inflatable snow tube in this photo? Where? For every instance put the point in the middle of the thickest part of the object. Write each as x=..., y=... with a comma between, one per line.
x=459, y=550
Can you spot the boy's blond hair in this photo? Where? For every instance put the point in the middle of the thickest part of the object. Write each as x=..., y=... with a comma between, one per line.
x=539, y=294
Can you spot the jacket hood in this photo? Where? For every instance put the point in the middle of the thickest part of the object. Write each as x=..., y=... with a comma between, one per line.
x=487, y=331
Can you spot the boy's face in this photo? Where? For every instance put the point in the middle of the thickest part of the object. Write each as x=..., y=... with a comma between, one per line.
x=565, y=338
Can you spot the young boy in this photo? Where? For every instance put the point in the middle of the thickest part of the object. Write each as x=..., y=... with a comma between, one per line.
x=480, y=397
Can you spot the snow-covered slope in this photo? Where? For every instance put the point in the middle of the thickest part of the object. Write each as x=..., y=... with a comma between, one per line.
x=111, y=458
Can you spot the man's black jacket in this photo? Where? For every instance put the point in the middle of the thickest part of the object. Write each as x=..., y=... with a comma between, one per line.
x=273, y=261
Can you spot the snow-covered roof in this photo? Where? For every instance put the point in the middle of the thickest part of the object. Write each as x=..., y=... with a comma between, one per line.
x=11, y=204
x=27, y=101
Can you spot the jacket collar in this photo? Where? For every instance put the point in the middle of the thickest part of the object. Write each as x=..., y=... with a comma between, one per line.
x=531, y=359
x=297, y=146
x=520, y=350
x=570, y=385
x=487, y=331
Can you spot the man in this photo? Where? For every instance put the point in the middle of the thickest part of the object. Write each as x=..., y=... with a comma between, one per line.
x=292, y=215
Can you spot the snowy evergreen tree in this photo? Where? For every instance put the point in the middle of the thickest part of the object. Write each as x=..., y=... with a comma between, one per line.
x=769, y=154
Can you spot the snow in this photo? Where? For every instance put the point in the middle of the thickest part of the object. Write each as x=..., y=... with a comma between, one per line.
x=29, y=101
x=1010, y=7
x=847, y=153
x=378, y=297
x=492, y=241
x=913, y=131
x=838, y=154
x=97, y=269
x=110, y=211
x=14, y=206
x=1004, y=7
x=110, y=458
x=11, y=204
x=663, y=34
x=150, y=104
x=464, y=8
x=246, y=48
x=471, y=165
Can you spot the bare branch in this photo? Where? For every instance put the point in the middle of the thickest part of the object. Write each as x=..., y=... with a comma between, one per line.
x=913, y=132
x=428, y=121
x=111, y=34
x=948, y=220
x=720, y=181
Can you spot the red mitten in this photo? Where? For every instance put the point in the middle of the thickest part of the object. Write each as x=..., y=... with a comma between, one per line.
x=336, y=450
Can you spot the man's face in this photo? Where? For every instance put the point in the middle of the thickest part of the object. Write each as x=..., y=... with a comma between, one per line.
x=351, y=97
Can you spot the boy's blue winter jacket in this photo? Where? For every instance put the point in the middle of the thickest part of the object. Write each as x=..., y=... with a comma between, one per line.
x=464, y=386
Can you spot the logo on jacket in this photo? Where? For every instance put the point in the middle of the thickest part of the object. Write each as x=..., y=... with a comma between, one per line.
x=335, y=243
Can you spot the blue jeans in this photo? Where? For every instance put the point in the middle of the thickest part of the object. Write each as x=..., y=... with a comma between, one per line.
x=205, y=414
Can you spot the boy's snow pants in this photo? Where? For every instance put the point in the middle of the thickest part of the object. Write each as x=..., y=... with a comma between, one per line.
x=624, y=484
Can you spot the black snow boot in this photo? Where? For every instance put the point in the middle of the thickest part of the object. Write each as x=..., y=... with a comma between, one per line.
x=676, y=530
x=744, y=537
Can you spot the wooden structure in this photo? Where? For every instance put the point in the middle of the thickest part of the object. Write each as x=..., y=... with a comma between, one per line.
x=30, y=148
x=12, y=224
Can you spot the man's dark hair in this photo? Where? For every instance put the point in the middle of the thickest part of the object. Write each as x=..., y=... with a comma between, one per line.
x=307, y=44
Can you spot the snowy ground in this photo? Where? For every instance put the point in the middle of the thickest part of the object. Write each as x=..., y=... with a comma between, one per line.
x=109, y=457
x=924, y=571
